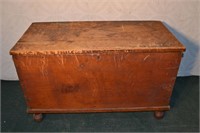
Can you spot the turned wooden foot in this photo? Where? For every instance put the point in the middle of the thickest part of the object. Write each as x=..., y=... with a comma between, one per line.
x=37, y=117
x=159, y=114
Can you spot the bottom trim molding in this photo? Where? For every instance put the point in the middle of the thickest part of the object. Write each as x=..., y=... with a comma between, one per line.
x=90, y=110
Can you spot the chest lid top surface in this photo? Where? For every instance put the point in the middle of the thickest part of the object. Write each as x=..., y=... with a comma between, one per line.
x=81, y=37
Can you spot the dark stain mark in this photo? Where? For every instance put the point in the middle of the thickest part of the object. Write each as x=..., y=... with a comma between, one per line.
x=70, y=41
x=69, y=88
x=98, y=57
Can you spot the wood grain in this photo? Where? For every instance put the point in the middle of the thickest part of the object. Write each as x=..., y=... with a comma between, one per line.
x=80, y=37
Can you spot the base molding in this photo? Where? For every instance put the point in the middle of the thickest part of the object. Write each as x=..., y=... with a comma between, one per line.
x=90, y=110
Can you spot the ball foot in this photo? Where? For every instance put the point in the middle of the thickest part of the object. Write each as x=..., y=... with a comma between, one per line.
x=159, y=114
x=37, y=117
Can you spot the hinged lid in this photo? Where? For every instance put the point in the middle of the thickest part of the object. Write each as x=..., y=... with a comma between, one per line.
x=81, y=37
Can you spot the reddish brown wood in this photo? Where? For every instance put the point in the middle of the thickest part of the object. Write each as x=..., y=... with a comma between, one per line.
x=83, y=37
x=159, y=114
x=37, y=117
x=104, y=73
x=85, y=110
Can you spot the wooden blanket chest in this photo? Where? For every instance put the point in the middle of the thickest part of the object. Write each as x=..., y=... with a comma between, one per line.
x=72, y=67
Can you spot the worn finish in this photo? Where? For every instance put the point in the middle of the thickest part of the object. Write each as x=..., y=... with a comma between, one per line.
x=97, y=66
x=81, y=37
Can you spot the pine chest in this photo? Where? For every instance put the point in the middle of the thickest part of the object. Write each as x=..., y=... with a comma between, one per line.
x=109, y=66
